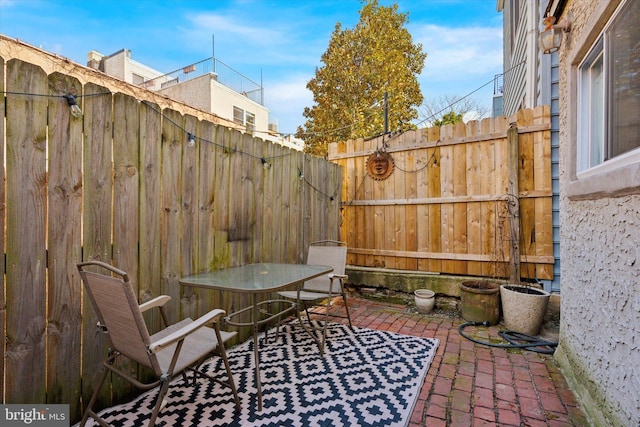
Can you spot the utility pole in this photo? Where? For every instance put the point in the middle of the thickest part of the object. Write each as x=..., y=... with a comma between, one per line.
x=386, y=113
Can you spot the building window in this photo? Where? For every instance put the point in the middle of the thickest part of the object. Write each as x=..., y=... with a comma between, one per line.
x=136, y=79
x=609, y=93
x=591, y=103
x=238, y=115
x=251, y=121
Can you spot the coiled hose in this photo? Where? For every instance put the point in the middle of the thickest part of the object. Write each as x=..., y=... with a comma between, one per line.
x=515, y=340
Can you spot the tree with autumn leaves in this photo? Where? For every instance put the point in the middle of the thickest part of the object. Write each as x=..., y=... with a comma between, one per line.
x=364, y=66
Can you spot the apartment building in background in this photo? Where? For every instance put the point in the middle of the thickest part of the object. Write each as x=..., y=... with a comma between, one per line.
x=208, y=85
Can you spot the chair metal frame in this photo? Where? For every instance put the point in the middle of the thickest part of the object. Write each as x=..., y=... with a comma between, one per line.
x=334, y=254
x=175, y=350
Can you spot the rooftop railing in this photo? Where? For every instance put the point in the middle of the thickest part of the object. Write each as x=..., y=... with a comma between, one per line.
x=223, y=73
x=498, y=84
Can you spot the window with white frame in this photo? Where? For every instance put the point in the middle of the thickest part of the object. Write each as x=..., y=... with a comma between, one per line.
x=250, y=119
x=609, y=92
x=238, y=115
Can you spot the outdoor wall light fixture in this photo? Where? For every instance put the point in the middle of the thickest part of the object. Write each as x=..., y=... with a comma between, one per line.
x=551, y=37
x=73, y=105
x=191, y=141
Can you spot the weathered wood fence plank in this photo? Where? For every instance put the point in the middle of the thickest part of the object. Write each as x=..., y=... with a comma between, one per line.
x=64, y=246
x=26, y=197
x=97, y=219
x=126, y=148
x=149, y=266
x=206, y=210
x=173, y=140
x=289, y=248
x=277, y=213
x=189, y=225
x=271, y=240
x=259, y=177
x=223, y=189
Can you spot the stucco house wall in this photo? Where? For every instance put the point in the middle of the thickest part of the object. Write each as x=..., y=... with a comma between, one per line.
x=599, y=345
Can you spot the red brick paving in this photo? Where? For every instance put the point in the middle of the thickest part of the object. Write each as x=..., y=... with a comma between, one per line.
x=471, y=385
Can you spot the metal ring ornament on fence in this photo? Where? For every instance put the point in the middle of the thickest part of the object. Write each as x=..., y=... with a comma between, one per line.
x=380, y=165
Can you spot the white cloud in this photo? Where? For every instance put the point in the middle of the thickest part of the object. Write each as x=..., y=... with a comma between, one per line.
x=270, y=44
x=287, y=99
x=211, y=23
x=291, y=90
x=461, y=61
x=454, y=53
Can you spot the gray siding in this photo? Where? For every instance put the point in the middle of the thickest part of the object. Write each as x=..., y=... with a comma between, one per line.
x=532, y=79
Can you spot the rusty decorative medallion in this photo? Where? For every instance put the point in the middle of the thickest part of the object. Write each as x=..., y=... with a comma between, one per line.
x=380, y=165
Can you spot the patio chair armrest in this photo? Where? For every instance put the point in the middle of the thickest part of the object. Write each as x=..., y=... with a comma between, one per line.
x=211, y=317
x=155, y=302
x=341, y=278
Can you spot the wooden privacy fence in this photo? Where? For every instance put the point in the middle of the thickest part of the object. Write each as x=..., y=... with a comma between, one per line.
x=123, y=185
x=460, y=199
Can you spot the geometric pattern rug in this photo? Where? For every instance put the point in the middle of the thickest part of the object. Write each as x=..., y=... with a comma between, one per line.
x=366, y=378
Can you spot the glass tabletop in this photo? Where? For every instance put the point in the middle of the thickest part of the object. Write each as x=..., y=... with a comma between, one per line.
x=256, y=278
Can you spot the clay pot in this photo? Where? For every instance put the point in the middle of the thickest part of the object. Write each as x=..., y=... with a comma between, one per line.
x=425, y=299
x=480, y=301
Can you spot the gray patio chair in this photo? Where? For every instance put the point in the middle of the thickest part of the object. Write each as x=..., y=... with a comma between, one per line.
x=332, y=253
x=173, y=351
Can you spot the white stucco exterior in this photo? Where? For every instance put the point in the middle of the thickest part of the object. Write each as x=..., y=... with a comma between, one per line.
x=599, y=349
x=600, y=312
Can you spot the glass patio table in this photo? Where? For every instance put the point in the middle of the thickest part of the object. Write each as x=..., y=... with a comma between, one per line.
x=257, y=279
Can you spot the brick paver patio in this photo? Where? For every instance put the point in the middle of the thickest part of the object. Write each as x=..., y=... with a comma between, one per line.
x=471, y=385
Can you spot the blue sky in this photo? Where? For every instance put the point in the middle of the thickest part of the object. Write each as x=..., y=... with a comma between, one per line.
x=278, y=42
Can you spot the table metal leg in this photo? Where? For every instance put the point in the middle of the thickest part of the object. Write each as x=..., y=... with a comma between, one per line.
x=256, y=353
x=255, y=313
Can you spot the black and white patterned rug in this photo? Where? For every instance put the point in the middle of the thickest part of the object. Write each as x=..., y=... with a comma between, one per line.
x=366, y=378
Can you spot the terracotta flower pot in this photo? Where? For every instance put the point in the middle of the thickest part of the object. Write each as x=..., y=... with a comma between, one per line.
x=480, y=301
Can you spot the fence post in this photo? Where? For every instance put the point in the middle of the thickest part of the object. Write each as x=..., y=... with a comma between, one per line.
x=514, y=204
